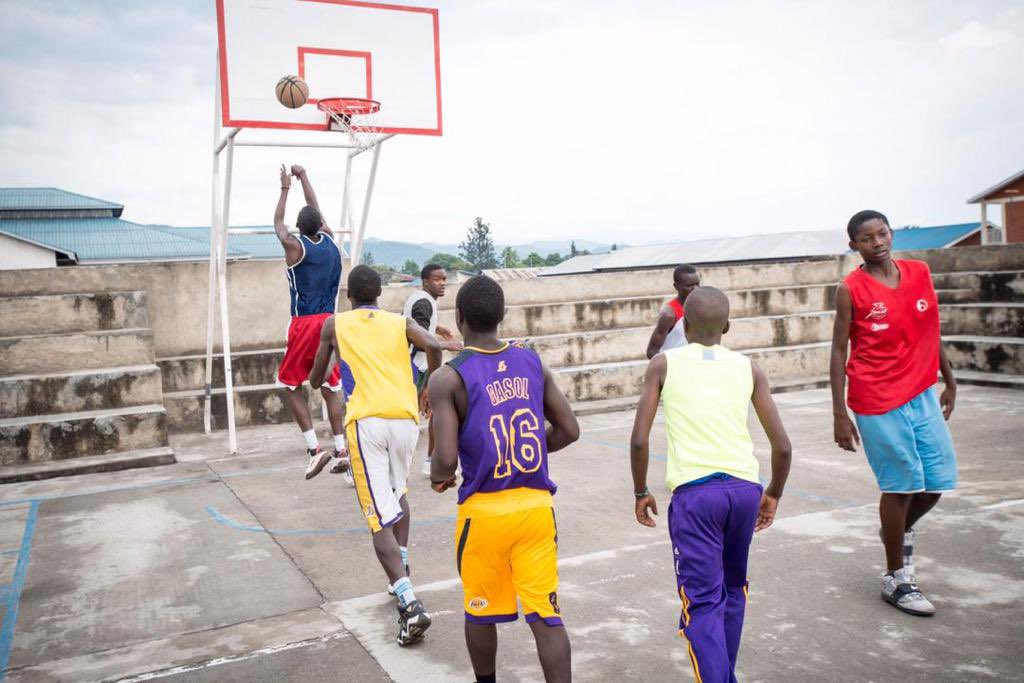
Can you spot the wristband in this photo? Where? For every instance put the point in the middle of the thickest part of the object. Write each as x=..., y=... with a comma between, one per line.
x=642, y=494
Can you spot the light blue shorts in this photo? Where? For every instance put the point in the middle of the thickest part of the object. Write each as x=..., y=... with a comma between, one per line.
x=910, y=448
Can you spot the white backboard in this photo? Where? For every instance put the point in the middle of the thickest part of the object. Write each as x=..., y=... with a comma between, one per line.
x=341, y=48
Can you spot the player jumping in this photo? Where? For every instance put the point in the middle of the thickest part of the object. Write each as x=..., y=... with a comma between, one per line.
x=668, y=332
x=490, y=404
x=717, y=500
x=888, y=311
x=380, y=422
x=314, y=272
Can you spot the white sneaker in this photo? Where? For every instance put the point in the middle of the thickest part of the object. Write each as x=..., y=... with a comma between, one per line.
x=426, y=467
x=318, y=459
x=900, y=590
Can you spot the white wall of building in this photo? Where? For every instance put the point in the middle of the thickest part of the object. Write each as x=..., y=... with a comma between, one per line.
x=16, y=254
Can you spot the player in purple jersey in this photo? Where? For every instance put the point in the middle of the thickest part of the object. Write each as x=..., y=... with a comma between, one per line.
x=490, y=405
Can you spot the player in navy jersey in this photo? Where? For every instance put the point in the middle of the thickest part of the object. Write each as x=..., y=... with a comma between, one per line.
x=490, y=405
x=314, y=272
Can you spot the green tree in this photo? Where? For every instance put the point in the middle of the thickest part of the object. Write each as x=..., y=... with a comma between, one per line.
x=385, y=272
x=510, y=258
x=478, y=247
x=411, y=268
x=553, y=259
x=572, y=249
x=614, y=247
x=368, y=259
x=450, y=262
x=534, y=260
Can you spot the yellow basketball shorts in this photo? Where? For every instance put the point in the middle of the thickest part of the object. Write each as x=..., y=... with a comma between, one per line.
x=506, y=548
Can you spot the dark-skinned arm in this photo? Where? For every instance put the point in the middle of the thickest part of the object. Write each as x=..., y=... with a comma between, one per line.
x=322, y=360
x=292, y=248
x=843, y=430
x=431, y=345
x=563, y=429
x=782, y=451
x=639, y=442
x=307, y=191
x=948, y=397
x=666, y=321
x=442, y=386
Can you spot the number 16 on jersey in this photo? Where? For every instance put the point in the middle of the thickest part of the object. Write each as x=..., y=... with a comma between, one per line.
x=518, y=442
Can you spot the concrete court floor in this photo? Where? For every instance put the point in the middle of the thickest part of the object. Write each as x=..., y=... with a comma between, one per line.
x=236, y=569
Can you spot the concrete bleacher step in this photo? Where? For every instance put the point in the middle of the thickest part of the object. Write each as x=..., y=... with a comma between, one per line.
x=1003, y=319
x=61, y=436
x=89, y=464
x=62, y=313
x=1007, y=285
x=254, y=405
x=48, y=353
x=956, y=296
x=990, y=379
x=69, y=392
x=986, y=354
x=248, y=368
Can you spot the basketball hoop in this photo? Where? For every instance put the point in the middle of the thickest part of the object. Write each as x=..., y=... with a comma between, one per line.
x=358, y=117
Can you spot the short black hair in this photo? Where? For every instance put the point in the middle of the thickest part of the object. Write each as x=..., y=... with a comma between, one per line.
x=683, y=269
x=309, y=221
x=862, y=217
x=363, y=285
x=481, y=302
x=429, y=269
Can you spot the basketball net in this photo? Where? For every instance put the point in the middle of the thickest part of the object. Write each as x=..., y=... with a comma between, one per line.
x=357, y=117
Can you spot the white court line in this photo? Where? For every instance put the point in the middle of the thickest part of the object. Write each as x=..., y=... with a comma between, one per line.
x=234, y=658
x=1003, y=504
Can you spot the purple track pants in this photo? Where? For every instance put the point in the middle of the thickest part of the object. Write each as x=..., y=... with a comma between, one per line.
x=711, y=525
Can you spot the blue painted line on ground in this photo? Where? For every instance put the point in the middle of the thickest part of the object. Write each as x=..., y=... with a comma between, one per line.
x=14, y=591
x=218, y=517
x=13, y=551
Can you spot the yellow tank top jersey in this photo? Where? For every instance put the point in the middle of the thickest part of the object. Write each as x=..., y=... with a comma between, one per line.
x=705, y=399
x=374, y=345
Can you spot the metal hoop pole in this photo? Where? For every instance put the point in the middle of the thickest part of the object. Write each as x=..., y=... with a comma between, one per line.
x=357, y=247
x=214, y=258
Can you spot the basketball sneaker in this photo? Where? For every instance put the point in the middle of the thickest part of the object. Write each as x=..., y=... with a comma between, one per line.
x=413, y=622
x=908, y=548
x=341, y=462
x=900, y=590
x=318, y=459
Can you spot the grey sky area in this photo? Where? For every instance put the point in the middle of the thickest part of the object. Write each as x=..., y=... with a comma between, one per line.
x=620, y=121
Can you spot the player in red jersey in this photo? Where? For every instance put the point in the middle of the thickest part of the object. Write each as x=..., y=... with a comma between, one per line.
x=668, y=332
x=888, y=311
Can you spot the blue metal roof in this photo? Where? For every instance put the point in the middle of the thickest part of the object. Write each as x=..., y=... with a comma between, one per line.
x=110, y=239
x=50, y=199
x=931, y=237
x=261, y=243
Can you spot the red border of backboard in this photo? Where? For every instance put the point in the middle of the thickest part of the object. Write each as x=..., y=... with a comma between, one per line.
x=225, y=109
x=365, y=56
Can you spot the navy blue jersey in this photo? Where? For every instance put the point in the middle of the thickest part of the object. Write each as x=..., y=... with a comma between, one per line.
x=313, y=281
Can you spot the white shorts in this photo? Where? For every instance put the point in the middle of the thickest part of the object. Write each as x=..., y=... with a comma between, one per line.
x=381, y=451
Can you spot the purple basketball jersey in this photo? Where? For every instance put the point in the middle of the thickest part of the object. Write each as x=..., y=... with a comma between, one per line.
x=502, y=442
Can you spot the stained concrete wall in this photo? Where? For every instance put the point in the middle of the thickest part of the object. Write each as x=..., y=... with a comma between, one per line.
x=258, y=293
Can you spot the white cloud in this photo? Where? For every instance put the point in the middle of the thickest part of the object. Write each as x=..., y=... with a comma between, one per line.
x=975, y=36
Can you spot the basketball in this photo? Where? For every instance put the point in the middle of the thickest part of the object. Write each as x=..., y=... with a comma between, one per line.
x=292, y=92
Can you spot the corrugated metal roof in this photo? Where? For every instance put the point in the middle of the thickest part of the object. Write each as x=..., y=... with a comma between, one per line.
x=110, y=239
x=505, y=274
x=49, y=199
x=577, y=264
x=931, y=237
x=260, y=243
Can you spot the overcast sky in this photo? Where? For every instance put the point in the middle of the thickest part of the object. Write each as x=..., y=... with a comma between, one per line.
x=619, y=121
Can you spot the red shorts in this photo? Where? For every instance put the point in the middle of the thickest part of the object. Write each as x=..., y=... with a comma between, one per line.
x=300, y=351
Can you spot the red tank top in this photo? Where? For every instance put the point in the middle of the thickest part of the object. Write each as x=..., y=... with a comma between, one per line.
x=677, y=308
x=894, y=338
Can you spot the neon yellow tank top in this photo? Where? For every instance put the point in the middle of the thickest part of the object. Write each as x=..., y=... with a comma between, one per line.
x=705, y=398
x=374, y=345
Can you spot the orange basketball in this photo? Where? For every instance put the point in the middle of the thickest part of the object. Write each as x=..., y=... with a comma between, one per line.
x=292, y=92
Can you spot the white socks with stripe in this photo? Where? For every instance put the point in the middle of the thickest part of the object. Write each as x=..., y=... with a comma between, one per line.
x=403, y=590
x=310, y=438
x=339, y=443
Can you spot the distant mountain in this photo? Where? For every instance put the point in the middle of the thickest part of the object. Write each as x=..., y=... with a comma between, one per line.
x=395, y=254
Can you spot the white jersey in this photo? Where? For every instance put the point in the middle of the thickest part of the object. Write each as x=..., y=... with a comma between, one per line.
x=419, y=357
x=675, y=337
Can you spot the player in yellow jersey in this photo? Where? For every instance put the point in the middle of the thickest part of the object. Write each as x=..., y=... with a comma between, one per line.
x=382, y=410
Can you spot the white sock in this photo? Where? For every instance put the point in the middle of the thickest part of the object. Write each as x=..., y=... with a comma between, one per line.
x=339, y=443
x=405, y=555
x=403, y=590
x=310, y=438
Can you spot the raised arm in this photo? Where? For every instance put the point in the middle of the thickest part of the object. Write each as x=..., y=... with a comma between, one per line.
x=443, y=387
x=639, y=442
x=844, y=431
x=322, y=361
x=782, y=451
x=307, y=191
x=292, y=248
x=666, y=321
x=563, y=428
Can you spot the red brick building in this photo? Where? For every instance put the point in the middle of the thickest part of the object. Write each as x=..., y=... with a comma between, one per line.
x=1009, y=195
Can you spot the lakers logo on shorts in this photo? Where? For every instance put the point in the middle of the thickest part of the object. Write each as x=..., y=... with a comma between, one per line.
x=553, y=599
x=477, y=603
x=368, y=511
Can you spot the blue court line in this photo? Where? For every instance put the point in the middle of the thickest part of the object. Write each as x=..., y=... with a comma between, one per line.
x=13, y=594
x=218, y=517
x=13, y=551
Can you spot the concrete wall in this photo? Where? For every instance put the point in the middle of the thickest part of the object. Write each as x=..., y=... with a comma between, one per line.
x=17, y=254
x=258, y=293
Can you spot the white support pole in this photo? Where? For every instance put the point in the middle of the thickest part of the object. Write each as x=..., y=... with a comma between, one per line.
x=357, y=243
x=345, y=225
x=214, y=260
x=1005, y=223
x=984, y=222
x=224, y=222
